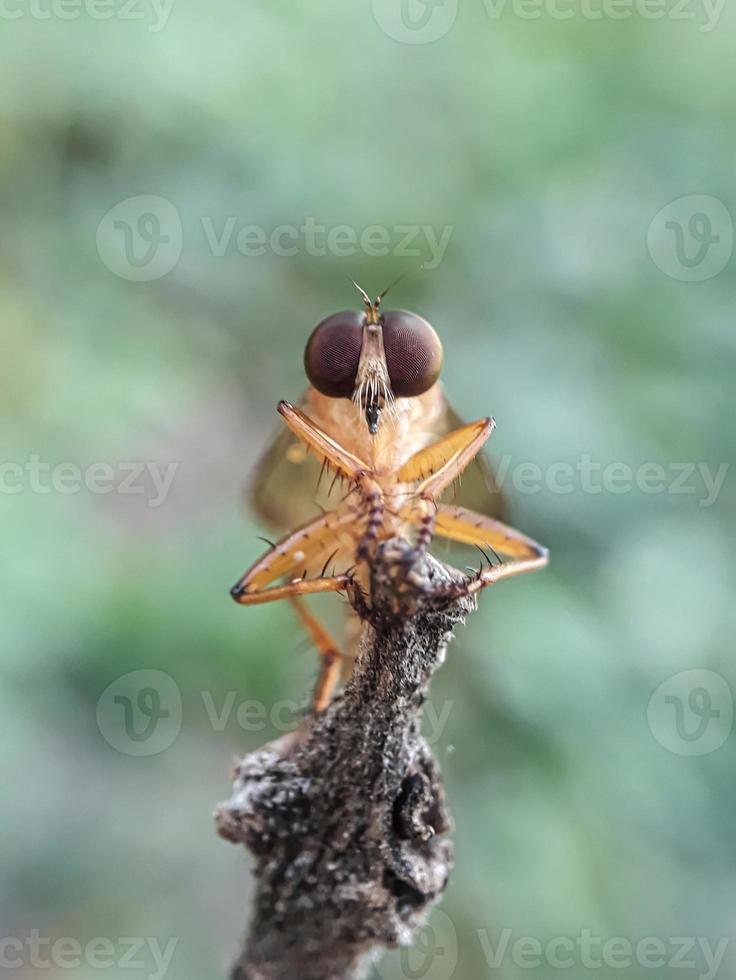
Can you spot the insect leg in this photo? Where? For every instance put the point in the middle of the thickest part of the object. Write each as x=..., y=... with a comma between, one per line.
x=438, y=465
x=421, y=513
x=467, y=527
x=373, y=499
x=340, y=583
x=342, y=461
x=331, y=657
x=306, y=548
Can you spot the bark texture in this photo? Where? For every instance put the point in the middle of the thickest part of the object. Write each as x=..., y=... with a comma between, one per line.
x=346, y=817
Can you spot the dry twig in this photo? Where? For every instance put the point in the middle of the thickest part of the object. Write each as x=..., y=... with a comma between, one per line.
x=346, y=816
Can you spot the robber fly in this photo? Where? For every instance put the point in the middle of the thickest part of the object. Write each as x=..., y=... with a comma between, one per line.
x=376, y=416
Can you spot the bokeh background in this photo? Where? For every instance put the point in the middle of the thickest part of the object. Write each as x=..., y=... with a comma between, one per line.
x=594, y=325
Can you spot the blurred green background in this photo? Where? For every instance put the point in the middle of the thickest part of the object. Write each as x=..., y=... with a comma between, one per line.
x=596, y=328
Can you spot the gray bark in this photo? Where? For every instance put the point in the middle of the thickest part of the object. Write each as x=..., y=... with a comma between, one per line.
x=346, y=818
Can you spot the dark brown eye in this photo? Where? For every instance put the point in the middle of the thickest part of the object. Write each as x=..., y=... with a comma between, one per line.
x=332, y=354
x=413, y=353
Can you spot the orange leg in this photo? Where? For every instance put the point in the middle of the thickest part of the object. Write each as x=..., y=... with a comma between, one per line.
x=467, y=527
x=305, y=548
x=330, y=670
x=340, y=583
x=459, y=524
x=436, y=467
x=439, y=464
x=342, y=461
x=345, y=464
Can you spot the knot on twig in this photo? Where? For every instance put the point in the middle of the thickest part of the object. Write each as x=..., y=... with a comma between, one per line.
x=406, y=582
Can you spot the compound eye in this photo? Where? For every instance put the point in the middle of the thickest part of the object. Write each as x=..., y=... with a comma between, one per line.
x=332, y=354
x=413, y=353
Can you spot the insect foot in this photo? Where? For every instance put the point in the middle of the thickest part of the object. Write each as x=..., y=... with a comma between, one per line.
x=347, y=817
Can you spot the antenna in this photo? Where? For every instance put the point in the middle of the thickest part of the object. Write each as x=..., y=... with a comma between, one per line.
x=364, y=294
x=394, y=283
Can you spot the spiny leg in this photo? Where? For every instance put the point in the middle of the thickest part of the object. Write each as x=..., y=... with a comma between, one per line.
x=331, y=658
x=345, y=463
x=420, y=513
x=312, y=586
x=467, y=527
x=438, y=465
x=489, y=576
x=373, y=499
x=305, y=548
